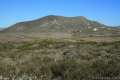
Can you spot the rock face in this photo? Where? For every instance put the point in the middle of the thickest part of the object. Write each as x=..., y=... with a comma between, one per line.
x=53, y=23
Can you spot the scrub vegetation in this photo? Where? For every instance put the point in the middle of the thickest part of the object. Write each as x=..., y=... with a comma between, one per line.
x=50, y=59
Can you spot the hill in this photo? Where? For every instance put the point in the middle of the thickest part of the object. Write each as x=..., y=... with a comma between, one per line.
x=53, y=23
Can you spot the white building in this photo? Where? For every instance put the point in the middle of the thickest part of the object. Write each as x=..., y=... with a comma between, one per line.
x=95, y=29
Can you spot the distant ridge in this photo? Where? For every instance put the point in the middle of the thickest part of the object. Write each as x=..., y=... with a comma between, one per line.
x=1, y=29
x=54, y=23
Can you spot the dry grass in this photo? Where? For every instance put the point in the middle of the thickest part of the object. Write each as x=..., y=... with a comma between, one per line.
x=52, y=59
